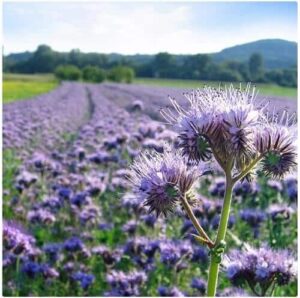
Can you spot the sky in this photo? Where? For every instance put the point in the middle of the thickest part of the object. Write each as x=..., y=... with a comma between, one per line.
x=144, y=27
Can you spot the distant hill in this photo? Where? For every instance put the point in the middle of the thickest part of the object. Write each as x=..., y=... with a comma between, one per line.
x=277, y=53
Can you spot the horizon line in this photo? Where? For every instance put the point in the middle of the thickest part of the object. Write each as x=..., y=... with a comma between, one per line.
x=149, y=54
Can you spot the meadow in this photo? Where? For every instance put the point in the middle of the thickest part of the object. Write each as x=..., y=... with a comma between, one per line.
x=73, y=226
x=20, y=87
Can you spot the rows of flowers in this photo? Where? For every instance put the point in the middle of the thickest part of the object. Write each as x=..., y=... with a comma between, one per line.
x=80, y=219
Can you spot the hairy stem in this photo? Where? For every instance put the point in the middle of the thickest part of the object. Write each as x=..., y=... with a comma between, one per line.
x=214, y=263
x=195, y=222
x=247, y=169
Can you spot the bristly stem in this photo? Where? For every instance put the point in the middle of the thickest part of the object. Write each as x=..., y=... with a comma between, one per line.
x=195, y=222
x=247, y=169
x=215, y=260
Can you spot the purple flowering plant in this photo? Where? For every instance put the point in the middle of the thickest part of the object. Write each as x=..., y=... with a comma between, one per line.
x=228, y=127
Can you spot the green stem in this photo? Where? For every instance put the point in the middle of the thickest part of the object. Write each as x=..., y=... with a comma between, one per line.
x=195, y=222
x=247, y=169
x=214, y=263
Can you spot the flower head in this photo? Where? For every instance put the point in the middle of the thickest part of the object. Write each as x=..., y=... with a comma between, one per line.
x=85, y=279
x=275, y=140
x=15, y=240
x=161, y=179
x=125, y=284
x=230, y=125
x=260, y=266
x=169, y=292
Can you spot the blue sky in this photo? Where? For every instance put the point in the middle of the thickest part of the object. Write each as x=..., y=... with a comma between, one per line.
x=145, y=27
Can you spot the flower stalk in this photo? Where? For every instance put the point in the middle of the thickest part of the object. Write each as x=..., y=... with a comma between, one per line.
x=195, y=222
x=216, y=258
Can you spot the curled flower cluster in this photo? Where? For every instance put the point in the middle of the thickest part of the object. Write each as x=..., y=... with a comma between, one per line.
x=161, y=180
x=260, y=267
x=230, y=124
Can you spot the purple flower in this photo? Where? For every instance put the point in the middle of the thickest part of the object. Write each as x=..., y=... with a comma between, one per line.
x=79, y=199
x=169, y=292
x=260, y=266
x=276, y=211
x=246, y=188
x=31, y=268
x=230, y=124
x=110, y=257
x=130, y=227
x=73, y=244
x=64, y=193
x=291, y=187
x=48, y=272
x=276, y=185
x=40, y=216
x=171, y=252
x=85, y=279
x=200, y=255
x=161, y=179
x=275, y=140
x=105, y=226
x=125, y=283
x=26, y=179
x=253, y=217
x=149, y=220
x=16, y=240
x=137, y=105
x=52, y=250
x=217, y=188
x=199, y=284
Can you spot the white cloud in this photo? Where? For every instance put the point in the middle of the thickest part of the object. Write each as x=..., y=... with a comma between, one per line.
x=128, y=27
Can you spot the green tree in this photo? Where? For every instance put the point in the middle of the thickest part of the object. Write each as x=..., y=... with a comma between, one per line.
x=256, y=67
x=68, y=72
x=240, y=67
x=196, y=66
x=163, y=65
x=93, y=74
x=43, y=60
x=121, y=74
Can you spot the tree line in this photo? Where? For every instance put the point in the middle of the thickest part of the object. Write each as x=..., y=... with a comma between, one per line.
x=161, y=65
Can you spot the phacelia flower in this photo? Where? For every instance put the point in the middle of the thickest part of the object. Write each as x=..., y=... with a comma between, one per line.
x=15, y=240
x=73, y=244
x=162, y=179
x=260, y=266
x=169, y=292
x=230, y=125
x=275, y=140
x=277, y=211
x=85, y=279
x=125, y=283
x=199, y=284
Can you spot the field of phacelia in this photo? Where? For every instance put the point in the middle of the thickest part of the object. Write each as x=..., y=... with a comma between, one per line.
x=77, y=193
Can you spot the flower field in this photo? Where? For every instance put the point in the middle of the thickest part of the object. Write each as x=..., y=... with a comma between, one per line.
x=75, y=224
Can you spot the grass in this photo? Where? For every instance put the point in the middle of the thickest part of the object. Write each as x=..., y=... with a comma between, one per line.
x=21, y=86
x=264, y=89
